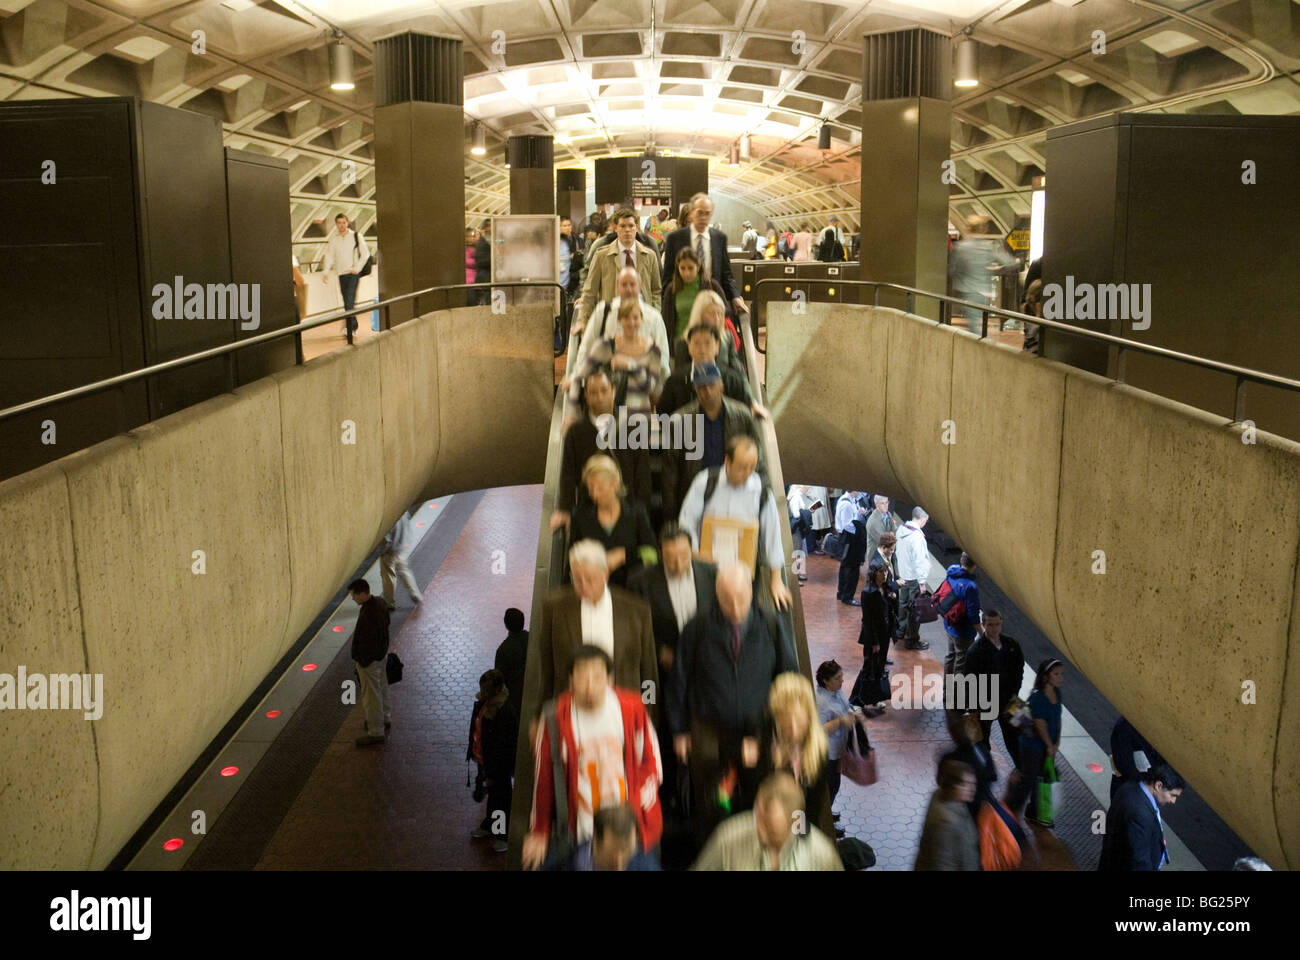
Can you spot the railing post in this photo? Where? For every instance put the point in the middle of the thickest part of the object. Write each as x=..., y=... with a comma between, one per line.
x=1239, y=409
x=1119, y=364
x=984, y=324
x=875, y=295
x=911, y=302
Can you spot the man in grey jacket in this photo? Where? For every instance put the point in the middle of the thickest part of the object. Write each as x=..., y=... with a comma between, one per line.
x=949, y=840
x=392, y=561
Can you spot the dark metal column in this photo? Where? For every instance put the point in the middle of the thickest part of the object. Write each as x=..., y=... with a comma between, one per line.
x=571, y=195
x=419, y=166
x=906, y=118
x=532, y=178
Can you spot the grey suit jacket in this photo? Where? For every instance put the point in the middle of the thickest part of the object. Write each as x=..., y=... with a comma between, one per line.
x=949, y=840
x=560, y=635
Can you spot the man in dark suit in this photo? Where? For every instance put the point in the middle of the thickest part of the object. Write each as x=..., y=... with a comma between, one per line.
x=678, y=588
x=999, y=658
x=592, y=612
x=512, y=657
x=1135, y=834
x=710, y=244
x=726, y=661
x=1125, y=744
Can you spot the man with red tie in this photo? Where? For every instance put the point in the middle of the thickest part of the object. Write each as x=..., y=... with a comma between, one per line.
x=609, y=260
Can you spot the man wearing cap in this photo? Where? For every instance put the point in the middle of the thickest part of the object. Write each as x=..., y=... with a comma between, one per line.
x=722, y=418
x=749, y=242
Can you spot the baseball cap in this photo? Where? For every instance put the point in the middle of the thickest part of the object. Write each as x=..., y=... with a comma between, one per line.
x=703, y=374
x=746, y=224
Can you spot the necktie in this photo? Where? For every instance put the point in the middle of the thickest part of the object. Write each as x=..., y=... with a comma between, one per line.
x=699, y=248
x=735, y=642
x=628, y=255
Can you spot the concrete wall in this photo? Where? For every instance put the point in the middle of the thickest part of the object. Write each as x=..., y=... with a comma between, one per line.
x=98, y=565
x=1200, y=598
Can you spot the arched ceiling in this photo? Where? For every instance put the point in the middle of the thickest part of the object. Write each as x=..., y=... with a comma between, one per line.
x=687, y=77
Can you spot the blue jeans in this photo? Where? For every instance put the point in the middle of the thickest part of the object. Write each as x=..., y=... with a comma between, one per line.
x=348, y=287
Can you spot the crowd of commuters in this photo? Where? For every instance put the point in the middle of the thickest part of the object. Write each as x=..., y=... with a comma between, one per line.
x=664, y=707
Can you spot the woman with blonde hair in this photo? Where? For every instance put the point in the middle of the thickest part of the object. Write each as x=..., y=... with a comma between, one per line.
x=619, y=524
x=711, y=309
x=795, y=740
x=634, y=362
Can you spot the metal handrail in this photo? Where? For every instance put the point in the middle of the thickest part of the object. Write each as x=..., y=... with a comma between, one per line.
x=229, y=349
x=1243, y=375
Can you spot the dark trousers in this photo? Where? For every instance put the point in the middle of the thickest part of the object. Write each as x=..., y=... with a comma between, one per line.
x=908, y=591
x=1010, y=737
x=833, y=778
x=849, y=571
x=348, y=288
x=713, y=753
x=499, y=797
x=1029, y=771
x=802, y=528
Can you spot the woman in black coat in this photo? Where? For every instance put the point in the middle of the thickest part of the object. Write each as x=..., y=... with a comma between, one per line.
x=619, y=524
x=877, y=629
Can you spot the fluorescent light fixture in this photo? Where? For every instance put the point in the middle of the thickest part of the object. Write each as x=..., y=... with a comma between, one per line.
x=341, y=66
x=480, y=142
x=966, y=69
x=1036, y=224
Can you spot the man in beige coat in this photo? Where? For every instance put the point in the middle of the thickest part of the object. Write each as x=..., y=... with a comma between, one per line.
x=602, y=279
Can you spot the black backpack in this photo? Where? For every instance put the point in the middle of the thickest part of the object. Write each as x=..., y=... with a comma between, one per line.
x=370, y=260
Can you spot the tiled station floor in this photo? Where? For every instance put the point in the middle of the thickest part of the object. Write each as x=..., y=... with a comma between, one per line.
x=405, y=804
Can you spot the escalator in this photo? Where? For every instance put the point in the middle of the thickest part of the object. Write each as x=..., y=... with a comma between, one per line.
x=550, y=574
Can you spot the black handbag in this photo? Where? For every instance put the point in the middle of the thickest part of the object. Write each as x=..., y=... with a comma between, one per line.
x=835, y=545
x=393, y=668
x=370, y=260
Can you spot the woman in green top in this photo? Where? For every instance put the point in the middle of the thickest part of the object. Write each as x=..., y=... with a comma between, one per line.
x=680, y=293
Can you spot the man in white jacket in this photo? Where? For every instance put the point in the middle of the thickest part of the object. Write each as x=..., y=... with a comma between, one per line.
x=913, y=560
x=346, y=253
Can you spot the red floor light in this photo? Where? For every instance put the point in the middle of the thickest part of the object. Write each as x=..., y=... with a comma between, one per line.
x=419, y=523
x=229, y=771
x=338, y=629
x=1095, y=767
x=272, y=714
x=309, y=667
x=175, y=843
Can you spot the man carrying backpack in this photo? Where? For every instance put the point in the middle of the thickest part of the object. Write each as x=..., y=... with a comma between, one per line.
x=958, y=599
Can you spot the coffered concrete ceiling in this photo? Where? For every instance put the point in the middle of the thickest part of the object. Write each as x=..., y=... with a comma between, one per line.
x=687, y=77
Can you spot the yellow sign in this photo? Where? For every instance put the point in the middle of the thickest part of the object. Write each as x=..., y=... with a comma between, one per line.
x=1018, y=239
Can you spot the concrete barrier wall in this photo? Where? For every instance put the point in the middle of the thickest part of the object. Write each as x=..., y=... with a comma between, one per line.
x=1200, y=599
x=101, y=575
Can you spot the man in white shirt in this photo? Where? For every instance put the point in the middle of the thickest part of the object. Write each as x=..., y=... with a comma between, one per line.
x=592, y=612
x=710, y=246
x=346, y=252
x=850, y=518
x=913, y=560
x=739, y=493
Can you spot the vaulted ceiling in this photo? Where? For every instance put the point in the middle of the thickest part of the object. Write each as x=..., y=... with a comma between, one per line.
x=689, y=77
